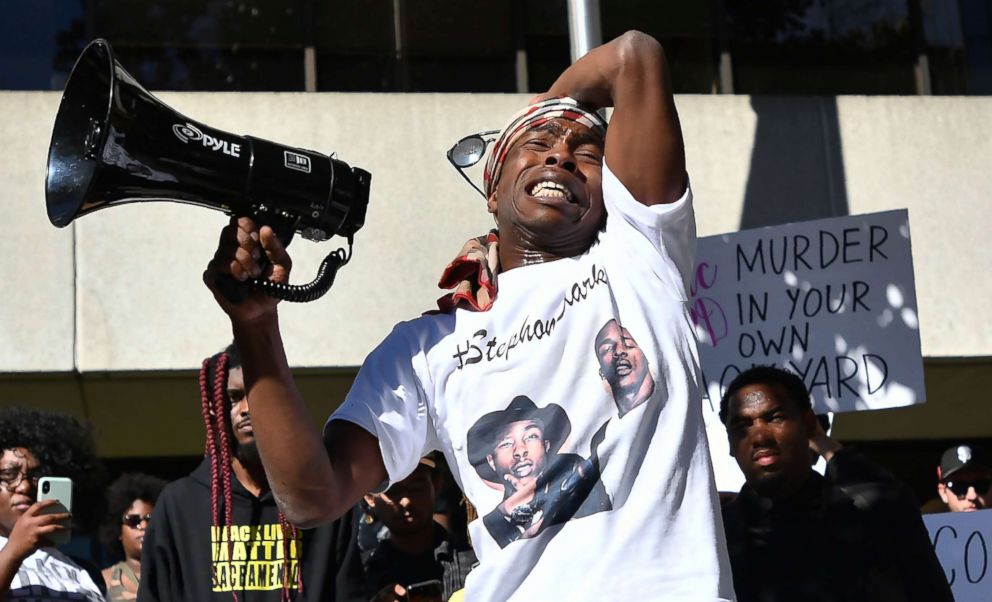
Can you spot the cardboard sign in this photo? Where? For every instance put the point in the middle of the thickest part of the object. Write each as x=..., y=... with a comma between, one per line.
x=963, y=543
x=831, y=300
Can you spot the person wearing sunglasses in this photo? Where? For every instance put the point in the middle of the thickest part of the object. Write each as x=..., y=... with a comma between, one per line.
x=593, y=223
x=34, y=444
x=964, y=479
x=130, y=502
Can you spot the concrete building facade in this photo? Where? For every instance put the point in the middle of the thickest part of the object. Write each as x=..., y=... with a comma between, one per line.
x=108, y=318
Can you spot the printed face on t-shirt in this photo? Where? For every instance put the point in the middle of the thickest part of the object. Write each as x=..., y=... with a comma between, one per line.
x=520, y=451
x=623, y=366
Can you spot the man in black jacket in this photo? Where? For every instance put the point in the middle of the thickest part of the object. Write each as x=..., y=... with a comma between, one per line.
x=217, y=533
x=852, y=535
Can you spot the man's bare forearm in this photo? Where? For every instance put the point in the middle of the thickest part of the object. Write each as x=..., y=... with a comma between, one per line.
x=296, y=463
x=644, y=144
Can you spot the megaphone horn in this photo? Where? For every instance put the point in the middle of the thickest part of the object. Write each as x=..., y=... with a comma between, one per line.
x=114, y=143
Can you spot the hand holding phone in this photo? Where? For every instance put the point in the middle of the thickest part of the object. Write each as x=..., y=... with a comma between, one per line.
x=58, y=490
x=425, y=591
x=35, y=529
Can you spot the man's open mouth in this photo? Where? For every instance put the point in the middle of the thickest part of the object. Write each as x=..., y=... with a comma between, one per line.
x=548, y=189
x=623, y=367
x=522, y=468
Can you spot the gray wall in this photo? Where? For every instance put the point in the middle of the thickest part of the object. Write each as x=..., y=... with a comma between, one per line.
x=120, y=290
x=89, y=310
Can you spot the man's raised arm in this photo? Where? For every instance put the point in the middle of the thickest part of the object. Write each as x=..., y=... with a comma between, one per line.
x=311, y=484
x=644, y=146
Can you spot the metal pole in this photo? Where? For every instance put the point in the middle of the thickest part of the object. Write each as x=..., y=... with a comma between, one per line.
x=399, y=32
x=584, y=29
x=520, y=45
x=921, y=67
x=725, y=66
x=309, y=47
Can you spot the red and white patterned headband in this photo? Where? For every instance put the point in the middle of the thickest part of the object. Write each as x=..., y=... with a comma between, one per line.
x=530, y=117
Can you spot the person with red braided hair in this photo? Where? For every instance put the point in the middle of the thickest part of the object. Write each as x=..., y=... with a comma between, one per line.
x=217, y=533
x=581, y=499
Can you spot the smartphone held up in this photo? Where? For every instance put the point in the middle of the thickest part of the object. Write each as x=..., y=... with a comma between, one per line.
x=60, y=490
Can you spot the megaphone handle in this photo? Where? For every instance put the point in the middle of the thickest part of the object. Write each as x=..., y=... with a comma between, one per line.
x=235, y=291
x=231, y=289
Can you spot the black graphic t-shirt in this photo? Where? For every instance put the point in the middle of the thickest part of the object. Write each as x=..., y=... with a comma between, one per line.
x=570, y=413
x=185, y=557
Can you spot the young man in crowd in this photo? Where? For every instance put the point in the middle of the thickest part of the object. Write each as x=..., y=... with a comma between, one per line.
x=964, y=479
x=34, y=444
x=852, y=535
x=594, y=224
x=217, y=533
x=414, y=549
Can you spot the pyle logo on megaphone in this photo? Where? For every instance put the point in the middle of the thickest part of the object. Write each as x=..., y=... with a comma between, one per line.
x=187, y=133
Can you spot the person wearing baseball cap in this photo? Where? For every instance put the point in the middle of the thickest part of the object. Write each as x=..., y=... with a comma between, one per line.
x=964, y=479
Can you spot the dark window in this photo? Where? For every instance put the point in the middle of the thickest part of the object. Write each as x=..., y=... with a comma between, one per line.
x=39, y=42
x=944, y=40
x=206, y=44
x=767, y=47
x=439, y=45
x=355, y=46
x=685, y=29
x=958, y=35
x=808, y=47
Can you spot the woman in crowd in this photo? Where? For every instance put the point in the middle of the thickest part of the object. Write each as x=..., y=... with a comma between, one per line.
x=130, y=502
x=33, y=444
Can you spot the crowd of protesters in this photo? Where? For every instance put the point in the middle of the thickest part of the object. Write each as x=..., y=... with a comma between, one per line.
x=853, y=533
x=591, y=470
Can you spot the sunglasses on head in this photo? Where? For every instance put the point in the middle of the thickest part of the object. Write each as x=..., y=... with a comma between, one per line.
x=135, y=520
x=960, y=488
x=468, y=151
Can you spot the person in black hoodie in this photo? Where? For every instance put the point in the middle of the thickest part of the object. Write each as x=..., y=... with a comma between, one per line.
x=218, y=534
x=851, y=535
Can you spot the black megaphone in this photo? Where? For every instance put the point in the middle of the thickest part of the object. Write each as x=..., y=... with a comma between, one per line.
x=115, y=143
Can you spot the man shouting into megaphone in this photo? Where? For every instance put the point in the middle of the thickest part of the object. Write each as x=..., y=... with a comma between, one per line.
x=595, y=226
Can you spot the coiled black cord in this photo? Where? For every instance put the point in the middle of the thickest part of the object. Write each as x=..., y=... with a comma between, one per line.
x=304, y=293
x=235, y=291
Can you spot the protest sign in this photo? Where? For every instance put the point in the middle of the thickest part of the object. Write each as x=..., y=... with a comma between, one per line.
x=963, y=543
x=831, y=300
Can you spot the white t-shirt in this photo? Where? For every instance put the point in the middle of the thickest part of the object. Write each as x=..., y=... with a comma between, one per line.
x=624, y=505
x=48, y=574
